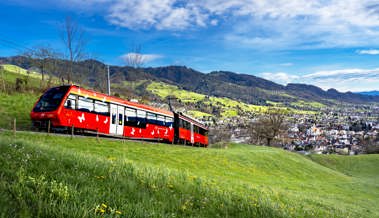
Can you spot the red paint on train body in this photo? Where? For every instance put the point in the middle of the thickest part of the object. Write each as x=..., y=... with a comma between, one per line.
x=72, y=106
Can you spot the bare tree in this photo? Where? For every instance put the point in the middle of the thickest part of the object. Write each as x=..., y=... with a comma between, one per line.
x=74, y=41
x=268, y=126
x=42, y=58
x=135, y=57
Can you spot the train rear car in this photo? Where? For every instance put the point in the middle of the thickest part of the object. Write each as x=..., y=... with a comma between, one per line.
x=190, y=131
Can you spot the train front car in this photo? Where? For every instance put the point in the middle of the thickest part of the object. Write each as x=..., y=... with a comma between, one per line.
x=69, y=108
x=48, y=107
x=190, y=131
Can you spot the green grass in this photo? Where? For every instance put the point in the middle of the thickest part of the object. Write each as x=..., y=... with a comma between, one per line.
x=312, y=104
x=54, y=176
x=229, y=107
x=15, y=69
x=163, y=90
x=16, y=106
x=9, y=73
x=195, y=113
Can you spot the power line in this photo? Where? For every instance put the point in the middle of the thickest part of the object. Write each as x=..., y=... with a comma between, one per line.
x=14, y=45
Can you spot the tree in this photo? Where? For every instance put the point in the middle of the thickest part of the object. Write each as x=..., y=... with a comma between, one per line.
x=135, y=58
x=43, y=57
x=269, y=126
x=74, y=41
x=370, y=144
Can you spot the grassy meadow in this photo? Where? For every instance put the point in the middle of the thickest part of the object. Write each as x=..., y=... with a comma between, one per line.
x=56, y=176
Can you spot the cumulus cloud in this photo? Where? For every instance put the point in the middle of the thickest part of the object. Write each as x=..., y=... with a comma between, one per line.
x=269, y=24
x=342, y=80
x=159, y=14
x=368, y=52
x=143, y=58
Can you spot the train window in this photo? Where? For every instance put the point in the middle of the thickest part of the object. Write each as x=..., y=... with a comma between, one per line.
x=203, y=131
x=169, y=121
x=114, y=112
x=195, y=129
x=187, y=125
x=130, y=117
x=161, y=120
x=184, y=124
x=151, y=118
x=51, y=99
x=120, y=119
x=85, y=104
x=70, y=102
x=102, y=108
x=130, y=114
x=141, y=118
x=141, y=114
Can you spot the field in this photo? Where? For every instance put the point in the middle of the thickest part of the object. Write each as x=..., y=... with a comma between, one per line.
x=56, y=176
x=229, y=107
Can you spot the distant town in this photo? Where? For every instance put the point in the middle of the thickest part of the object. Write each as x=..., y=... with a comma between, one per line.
x=347, y=130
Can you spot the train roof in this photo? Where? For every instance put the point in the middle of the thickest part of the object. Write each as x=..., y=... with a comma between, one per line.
x=107, y=98
x=193, y=120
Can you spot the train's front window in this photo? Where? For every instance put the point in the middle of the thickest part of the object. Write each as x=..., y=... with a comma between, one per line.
x=51, y=99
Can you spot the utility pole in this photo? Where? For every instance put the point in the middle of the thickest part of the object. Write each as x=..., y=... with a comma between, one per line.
x=108, y=82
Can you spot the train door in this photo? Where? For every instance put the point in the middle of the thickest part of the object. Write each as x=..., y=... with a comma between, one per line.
x=117, y=120
x=120, y=120
x=192, y=135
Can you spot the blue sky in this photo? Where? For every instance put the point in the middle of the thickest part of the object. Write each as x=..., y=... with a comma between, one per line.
x=328, y=43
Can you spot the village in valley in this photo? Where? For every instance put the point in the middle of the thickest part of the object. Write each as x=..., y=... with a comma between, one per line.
x=347, y=130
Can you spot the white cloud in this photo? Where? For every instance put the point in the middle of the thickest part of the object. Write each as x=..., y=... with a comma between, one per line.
x=342, y=80
x=280, y=77
x=143, y=58
x=159, y=14
x=269, y=24
x=368, y=52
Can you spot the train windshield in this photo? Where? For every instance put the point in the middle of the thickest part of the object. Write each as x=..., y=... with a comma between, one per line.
x=51, y=99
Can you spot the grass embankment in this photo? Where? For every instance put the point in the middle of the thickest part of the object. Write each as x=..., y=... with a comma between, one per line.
x=54, y=176
x=17, y=104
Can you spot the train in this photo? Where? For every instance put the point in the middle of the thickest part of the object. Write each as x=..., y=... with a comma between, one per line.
x=70, y=107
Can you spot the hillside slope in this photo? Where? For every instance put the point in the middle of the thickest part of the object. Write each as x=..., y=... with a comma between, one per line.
x=247, y=88
x=141, y=179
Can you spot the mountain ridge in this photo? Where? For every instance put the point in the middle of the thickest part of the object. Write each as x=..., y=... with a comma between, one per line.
x=243, y=87
x=371, y=93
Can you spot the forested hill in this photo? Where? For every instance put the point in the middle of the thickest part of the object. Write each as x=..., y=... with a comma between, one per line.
x=247, y=88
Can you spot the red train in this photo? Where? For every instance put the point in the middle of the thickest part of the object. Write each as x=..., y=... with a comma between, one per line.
x=85, y=110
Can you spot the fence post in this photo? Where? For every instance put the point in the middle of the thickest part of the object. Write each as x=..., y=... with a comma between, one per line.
x=48, y=128
x=14, y=127
x=72, y=131
x=97, y=135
